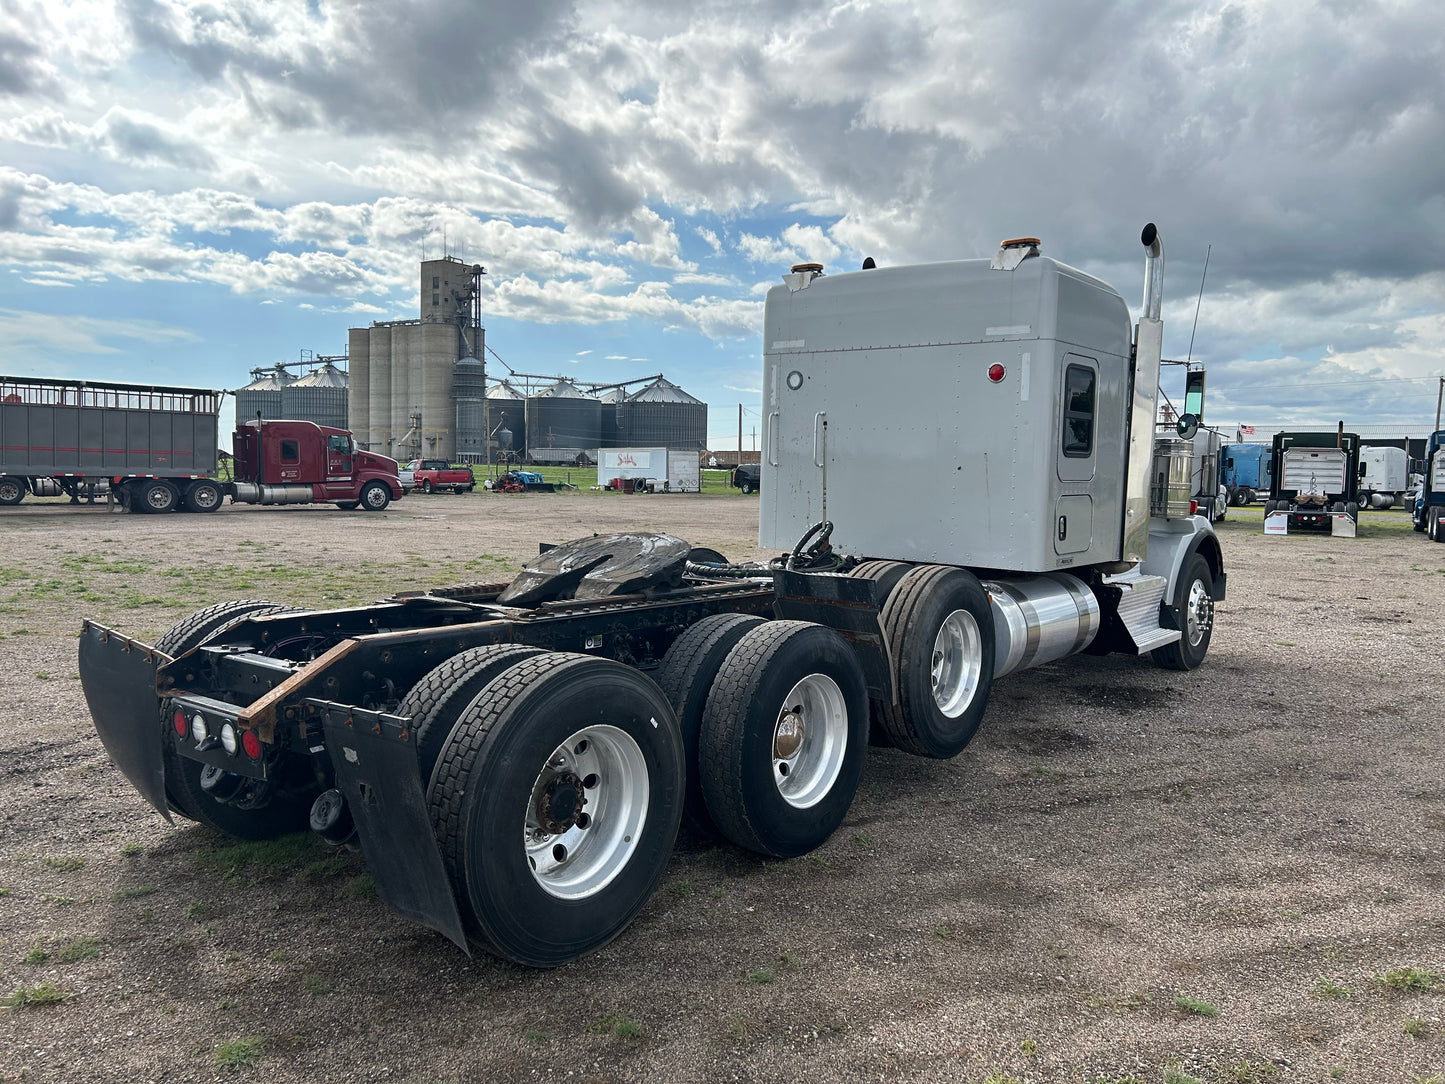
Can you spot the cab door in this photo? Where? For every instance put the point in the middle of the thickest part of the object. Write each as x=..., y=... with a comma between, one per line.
x=338, y=458
x=1077, y=455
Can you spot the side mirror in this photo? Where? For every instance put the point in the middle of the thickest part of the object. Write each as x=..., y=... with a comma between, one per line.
x=1194, y=394
x=1187, y=426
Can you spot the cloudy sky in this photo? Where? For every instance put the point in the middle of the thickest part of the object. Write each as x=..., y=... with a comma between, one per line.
x=188, y=190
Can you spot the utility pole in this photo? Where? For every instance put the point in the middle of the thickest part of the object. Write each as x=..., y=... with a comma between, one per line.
x=1439, y=397
x=740, y=434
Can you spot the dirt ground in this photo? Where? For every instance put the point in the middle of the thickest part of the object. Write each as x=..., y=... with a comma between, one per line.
x=1231, y=875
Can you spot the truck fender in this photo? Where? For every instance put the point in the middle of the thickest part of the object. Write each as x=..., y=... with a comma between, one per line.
x=1168, y=552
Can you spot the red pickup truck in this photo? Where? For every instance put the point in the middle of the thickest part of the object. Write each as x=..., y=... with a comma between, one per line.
x=430, y=475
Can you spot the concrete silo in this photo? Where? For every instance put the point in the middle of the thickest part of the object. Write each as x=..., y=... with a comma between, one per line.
x=379, y=351
x=358, y=384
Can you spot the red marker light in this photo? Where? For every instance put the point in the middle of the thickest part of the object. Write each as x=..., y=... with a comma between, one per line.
x=996, y=372
x=251, y=744
x=1193, y=507
x=179, y=722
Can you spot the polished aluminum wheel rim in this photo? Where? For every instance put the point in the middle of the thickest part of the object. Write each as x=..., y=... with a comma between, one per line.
x=810, y=740
x=1199, y=613
x=957, y=663
x=583, y=857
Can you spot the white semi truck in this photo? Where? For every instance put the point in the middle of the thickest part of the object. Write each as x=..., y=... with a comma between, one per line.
x=961, y=469
x=1384, y=476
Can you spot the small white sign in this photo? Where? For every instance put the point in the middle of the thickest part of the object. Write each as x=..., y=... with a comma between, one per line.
x=788, y=344
x=1010, y=329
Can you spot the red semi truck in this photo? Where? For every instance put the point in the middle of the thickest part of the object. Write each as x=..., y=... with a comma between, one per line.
x=153, y=448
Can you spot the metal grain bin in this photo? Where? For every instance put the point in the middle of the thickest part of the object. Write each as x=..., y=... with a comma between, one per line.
x=505, y=407
x=662, y=415
x=563, y=418
x=610, y=402
x=319, y=396
x=469, y=391
x=263, y=395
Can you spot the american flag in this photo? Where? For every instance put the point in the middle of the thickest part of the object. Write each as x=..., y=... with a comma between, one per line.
x=1246, y=430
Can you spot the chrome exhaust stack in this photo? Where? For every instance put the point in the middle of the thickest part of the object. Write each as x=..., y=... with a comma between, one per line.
x=1144, y=400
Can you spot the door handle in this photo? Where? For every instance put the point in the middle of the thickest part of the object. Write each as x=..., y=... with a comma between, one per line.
x=1063, y=528
x=820, y=426
x=767, y=439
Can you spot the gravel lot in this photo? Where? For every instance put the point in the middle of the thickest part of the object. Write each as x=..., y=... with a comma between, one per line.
x=1261, y=838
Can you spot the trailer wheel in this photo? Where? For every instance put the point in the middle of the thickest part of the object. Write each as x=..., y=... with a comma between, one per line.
x=437, y=701
x=157, y=495
x=687, y=673
x=184, y=793
x=940, y=631
x=203, y=496
x=555, y=804
x=784, y=735
x=12, y=490
x=375, y=496
x=1194, y=602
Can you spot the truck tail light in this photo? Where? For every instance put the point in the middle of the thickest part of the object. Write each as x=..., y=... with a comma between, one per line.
x=179, y=722
x=251, y=744
x=228, y=739
x=198, y=729
x=996, y=372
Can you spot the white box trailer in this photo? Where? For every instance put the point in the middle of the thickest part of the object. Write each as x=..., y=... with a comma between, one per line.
x=664, y=470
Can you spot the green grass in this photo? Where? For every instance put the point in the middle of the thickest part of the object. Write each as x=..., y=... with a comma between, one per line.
x=362, y=886
x=198, y=910
x=29, y=997
x=131, y=849
x=1327, y=988
x=239, y=1053
x=1251, y=1072
x=36, y=955
x=1173, y=1075
x=1416, y=1029
x=134, y=893
x=65, y=863
x=82, y=948
x=617, y=1024
x=286, y=854
x=1410, y=980
x=1186, y=1004
x=761, y=977
x=317, y=985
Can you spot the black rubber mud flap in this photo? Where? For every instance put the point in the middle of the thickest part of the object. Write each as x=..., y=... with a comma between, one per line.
x=849, y=605
x=119, y=678
x=376, y=769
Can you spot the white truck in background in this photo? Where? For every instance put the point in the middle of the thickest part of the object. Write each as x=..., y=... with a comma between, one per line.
x=1384, y=476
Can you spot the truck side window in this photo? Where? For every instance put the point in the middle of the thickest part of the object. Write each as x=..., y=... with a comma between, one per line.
x=1078, y=412
x=290, y=451
x=340, y=444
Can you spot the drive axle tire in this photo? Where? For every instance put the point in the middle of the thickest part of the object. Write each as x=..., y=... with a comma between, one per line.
x=437, y=701
x=347, y=506
x=886, y=574
x=686, y=677
x=940, y=630
x=203, y=496
x=375, y=497
x=555, y=805
x=184, y=794
x=156, y=496
x=12, y=490
x=784, y=736
x=1194, y=602
x=426, y=486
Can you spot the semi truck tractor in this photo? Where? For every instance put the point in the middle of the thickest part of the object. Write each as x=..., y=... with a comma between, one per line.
x=1384, y=476
x=514, y=759
x=1316, y=475
x=152, y=448
x=1428, y=512
x=1246, y=471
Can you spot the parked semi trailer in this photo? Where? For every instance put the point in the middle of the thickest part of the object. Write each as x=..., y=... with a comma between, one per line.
x=153, y=449
x=1384, y=476
x=1316, y=475
x=514, y=760
x=1246, y=471
x=1428, y=511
